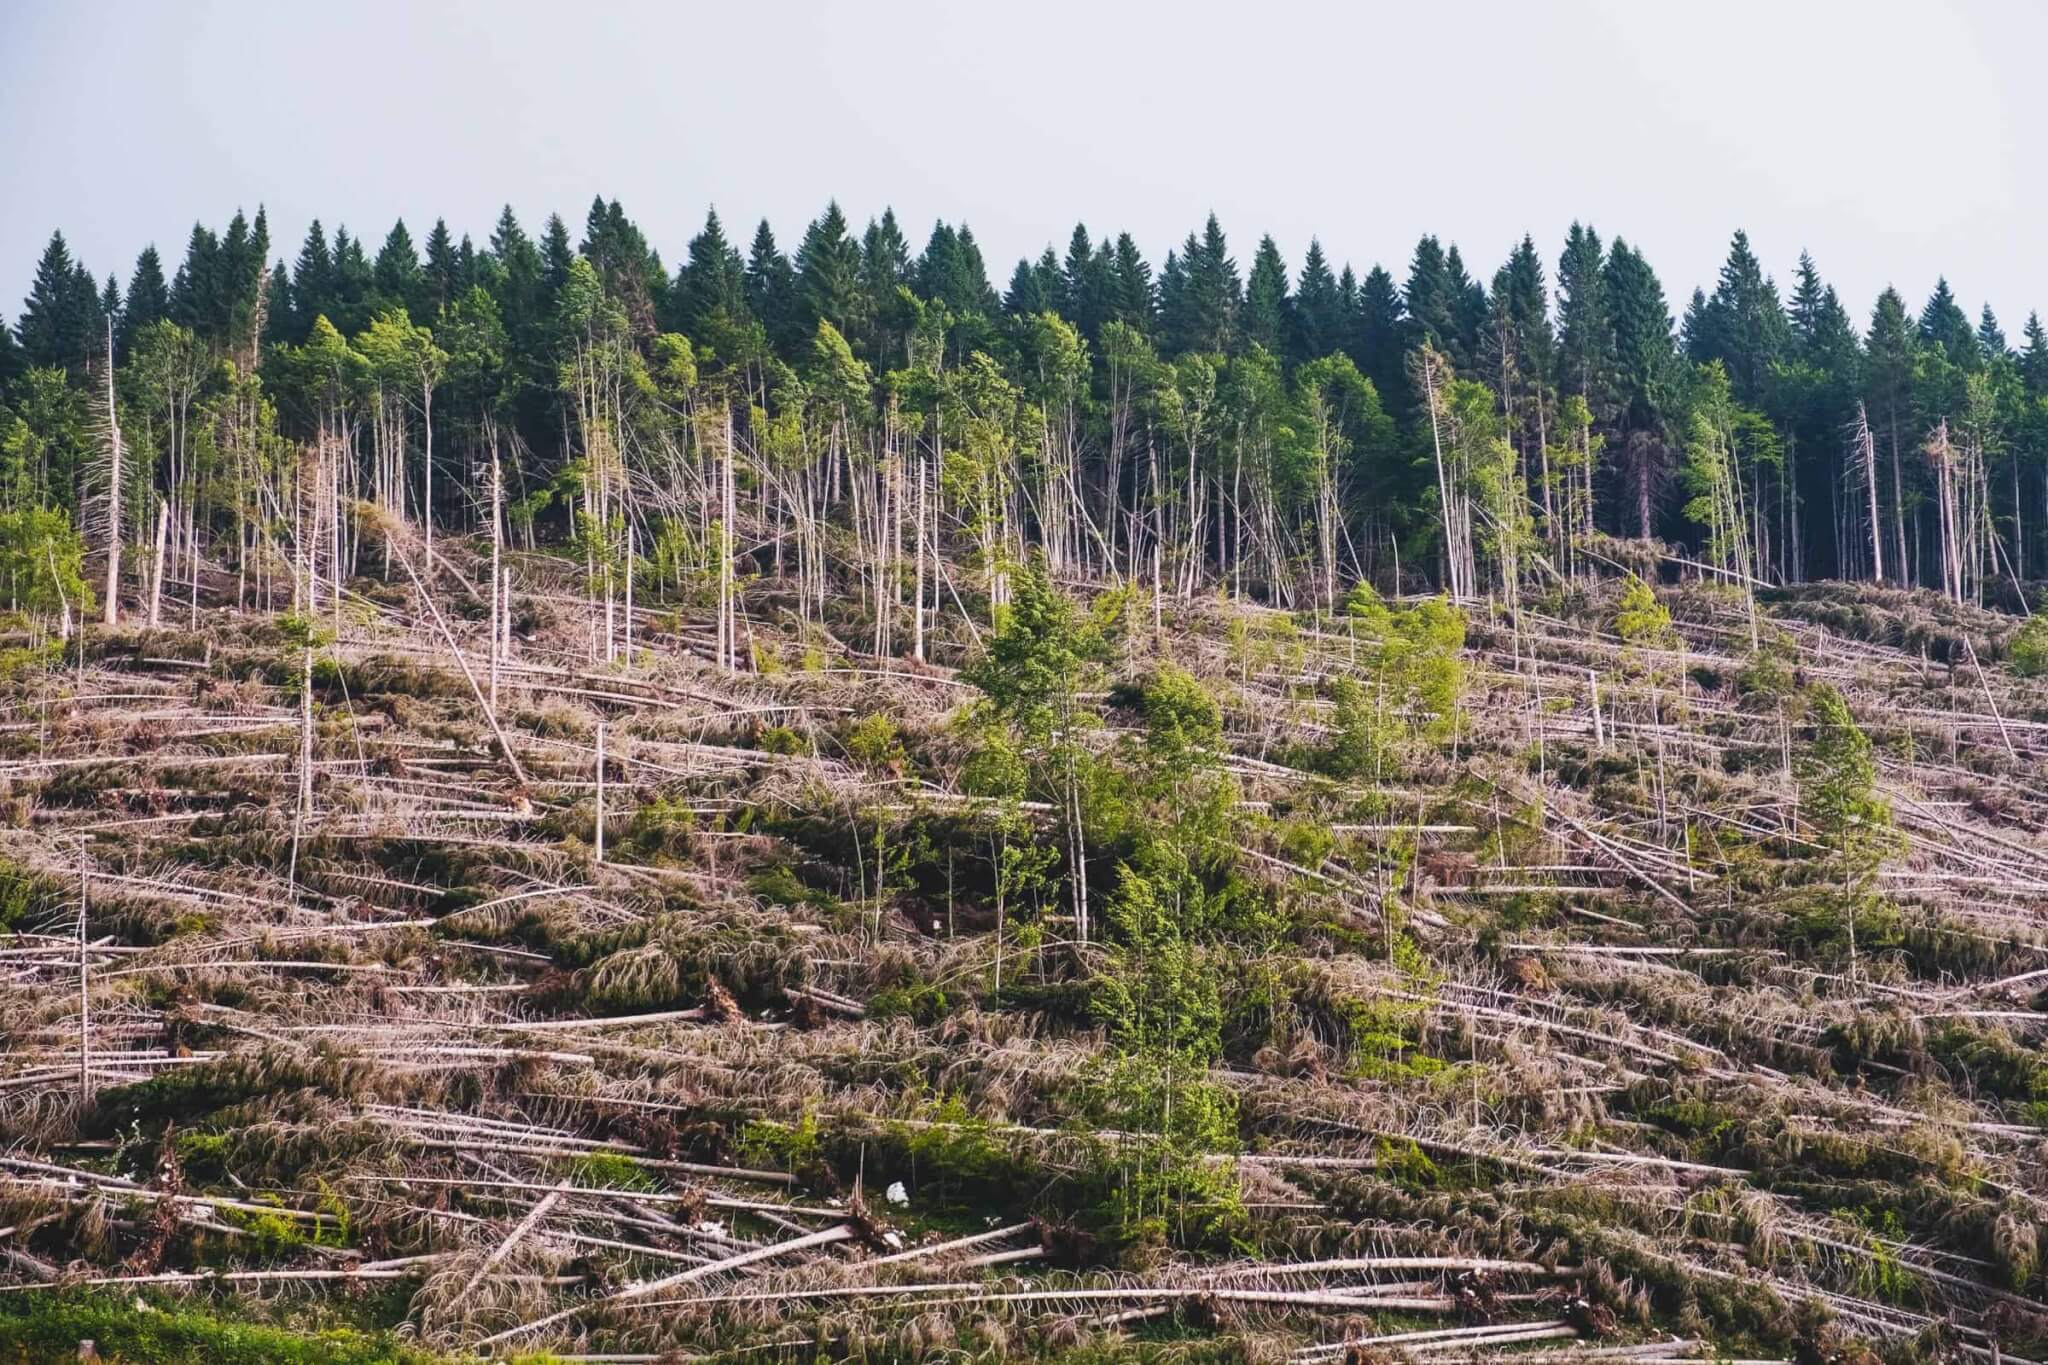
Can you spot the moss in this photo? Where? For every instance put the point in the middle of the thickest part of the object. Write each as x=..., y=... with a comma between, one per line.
x=610, y=1170
x=43, y=1327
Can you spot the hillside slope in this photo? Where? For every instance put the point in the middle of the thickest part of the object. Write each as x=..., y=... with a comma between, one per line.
x=1169, y=978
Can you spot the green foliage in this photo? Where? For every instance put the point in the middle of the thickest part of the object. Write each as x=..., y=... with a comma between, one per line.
x=1640, y=619
x=1410, y=683
x=2029, y=649
x=873, y=743
x=49, y=1326
x=609, y=1170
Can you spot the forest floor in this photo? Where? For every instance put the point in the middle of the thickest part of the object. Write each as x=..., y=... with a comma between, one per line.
x=1553, y=1031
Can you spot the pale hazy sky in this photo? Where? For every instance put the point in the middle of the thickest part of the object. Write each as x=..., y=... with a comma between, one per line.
x=1894, y=139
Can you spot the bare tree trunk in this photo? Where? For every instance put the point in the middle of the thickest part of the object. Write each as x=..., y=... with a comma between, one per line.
x=1866, y=447
x=156, y=572
x=112, y=609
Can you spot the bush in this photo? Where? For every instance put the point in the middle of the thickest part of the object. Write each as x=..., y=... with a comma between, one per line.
x=2030, y=648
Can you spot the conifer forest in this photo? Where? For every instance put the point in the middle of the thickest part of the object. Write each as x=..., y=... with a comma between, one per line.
x=816, y=802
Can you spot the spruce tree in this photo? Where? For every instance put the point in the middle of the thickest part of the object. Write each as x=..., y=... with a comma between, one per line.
x=1134, y=302
x=771, y=287
x=312, y=283
x=1645, y=369
x=444, y=270
x=1027, y=295
x=2034, y=358
x=1943, y=324
x=1200, y=295
x=1991, y=337
x=57, y=318
x=1318, y=308
x=1268, y=311
x=1585, y=327
x=149, y=298
x=396, y=275
x=1743, y=325
x=828, y=274
x=713, y=279
x=1376, y=345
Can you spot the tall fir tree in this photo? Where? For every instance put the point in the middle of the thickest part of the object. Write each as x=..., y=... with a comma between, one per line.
x=56, y=325
x=149, y=298
x=444, y=270
x=1944, y=324
x=712, y=280
x=771, y=288
x=1585, y=325
x=1318, y=308
x=828, y=274
x=1268, y=308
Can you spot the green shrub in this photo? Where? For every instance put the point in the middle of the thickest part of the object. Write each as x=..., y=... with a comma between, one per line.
x=2030, y=648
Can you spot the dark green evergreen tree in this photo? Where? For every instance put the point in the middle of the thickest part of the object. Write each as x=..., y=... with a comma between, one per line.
x=1943, y=324
x=1743, y=325
x=1991, y=337
x=713, y=279
x=1198, y=310
x=1133, y=301
x=444, y=270
x=771, y=288
x=828, y=274
x=1645, y=371
x=312, y=283
x=1377, y=335
x=149, y=298
x=1585, y=324
x=1268, y=310
x=57, y=319
x=1319, y=310
x=396, y=277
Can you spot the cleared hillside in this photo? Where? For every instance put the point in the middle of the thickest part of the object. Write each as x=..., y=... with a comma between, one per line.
x=1150, y=977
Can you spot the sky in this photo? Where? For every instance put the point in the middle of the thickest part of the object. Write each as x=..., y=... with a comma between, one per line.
x=1887, y=137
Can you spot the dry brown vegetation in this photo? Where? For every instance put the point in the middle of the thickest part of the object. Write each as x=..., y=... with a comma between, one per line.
x=1554, y=1038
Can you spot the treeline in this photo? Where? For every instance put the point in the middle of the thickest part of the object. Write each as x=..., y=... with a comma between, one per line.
x=1284, y=432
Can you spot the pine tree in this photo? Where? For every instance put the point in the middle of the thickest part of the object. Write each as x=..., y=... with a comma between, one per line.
x=1377, y=341
x=1268, y=310
x=973, y=272
x=557, y=257
x=828, y=274
x=1468, y=304
x=149, y=298
x=1805, y=305
x=1943, y=324
x=1199, y=313
x=771, y=288
x=1743, y=325
x=1431, y=307
x=943, y=273
x=1087, y=280
x=1318, y=308
x=1891, y=349
x=1991, y=337
x=1133, y=301
x=884, y=261
x=1027, y=295
x=1645, y=366
x=444, y=270
x=1521, y=313
x=2034, y=357
x=56, y=323
x=312, y=283
x=1585, y=325
x=398, y=280
x=713, y=279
